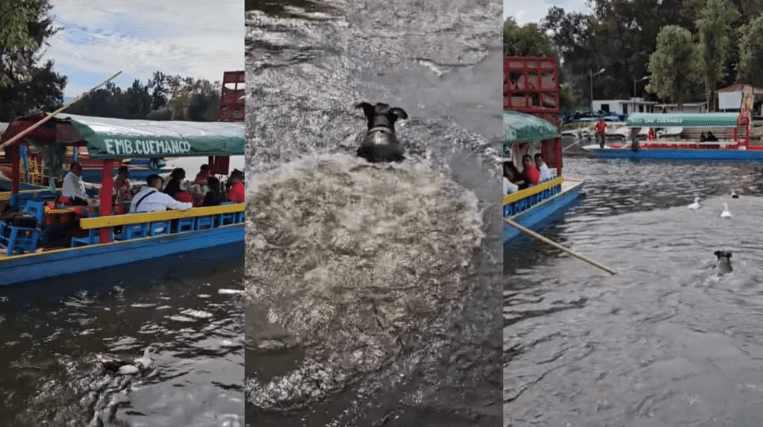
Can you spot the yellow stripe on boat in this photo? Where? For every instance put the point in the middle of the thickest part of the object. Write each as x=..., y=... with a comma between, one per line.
x=513, y=197
x=6, y=195
x=137, y=218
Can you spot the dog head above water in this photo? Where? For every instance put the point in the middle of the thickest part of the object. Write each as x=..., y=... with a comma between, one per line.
x=724, y=261
x=380, y=143
x=381, y=115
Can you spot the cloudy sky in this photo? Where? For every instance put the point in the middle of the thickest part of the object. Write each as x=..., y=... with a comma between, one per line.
x=199, y=38
x=532, y=11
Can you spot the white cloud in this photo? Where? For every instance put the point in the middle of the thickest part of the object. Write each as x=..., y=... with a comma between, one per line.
x=525, y=12
x=202, y=38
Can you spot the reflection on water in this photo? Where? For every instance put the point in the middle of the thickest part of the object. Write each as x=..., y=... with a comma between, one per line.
x=56, y=335
x=373, y=287
x=667, y=341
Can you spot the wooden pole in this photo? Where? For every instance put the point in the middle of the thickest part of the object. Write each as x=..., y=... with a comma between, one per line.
x=558, y=246
x=53, y=114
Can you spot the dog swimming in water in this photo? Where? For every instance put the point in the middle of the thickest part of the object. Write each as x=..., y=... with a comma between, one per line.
x=380, y=143
x=724, y=262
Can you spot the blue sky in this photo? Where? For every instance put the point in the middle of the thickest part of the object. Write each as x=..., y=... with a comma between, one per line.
x=528, y=12
x=199, y=38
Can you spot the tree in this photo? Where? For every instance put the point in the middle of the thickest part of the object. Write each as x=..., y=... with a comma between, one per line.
x=25, y=86
x=525, y=41
x=668, y=65
x=715, y=30
x=750, y=65
x=15, y=18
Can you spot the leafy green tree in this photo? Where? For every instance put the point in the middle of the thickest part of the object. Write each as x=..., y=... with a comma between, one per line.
x=715, y=36
x=668, y=65
x=25, y=86
x=527, y=40
x=750, y=65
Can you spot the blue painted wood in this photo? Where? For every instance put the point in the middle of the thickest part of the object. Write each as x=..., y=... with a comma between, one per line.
x=52, y=264
x=93, y=237
x=184, y=224
x=17, y=239
x=205, y=222
x=686, y=154
x=540, y=214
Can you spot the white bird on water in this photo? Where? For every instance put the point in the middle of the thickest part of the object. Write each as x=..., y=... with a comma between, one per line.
x=725, y=213
x=734, y=195
x=695, y=205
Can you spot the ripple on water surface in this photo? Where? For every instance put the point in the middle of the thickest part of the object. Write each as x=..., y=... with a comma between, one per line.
x=56, y=342
x=667, y=341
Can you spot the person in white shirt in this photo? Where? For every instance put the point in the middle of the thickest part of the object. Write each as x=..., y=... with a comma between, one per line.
x=151, y=199
x=74, y=186
x=545, y=173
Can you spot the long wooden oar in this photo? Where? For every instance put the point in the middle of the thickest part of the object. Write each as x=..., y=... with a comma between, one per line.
x=53, y=114
x=558, y=246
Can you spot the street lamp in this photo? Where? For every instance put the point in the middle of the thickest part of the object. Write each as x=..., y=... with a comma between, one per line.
x=590, y=71
x=634, y=84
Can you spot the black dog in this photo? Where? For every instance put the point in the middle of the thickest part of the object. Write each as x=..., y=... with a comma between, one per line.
x=724, y=262
x=380, y=143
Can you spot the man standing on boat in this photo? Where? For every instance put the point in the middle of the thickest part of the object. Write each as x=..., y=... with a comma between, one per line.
x=151, y=199
x=74, y=186
x=601, y=127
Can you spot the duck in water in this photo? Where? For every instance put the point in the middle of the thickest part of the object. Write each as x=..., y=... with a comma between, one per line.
x=128, y=367
x=380, y=143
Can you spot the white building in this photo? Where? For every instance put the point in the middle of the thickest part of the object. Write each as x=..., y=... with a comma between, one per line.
x=730, y=98
x=625, y=106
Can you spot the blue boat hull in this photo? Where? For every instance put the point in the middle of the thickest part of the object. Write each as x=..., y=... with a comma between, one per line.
x=678, y=154
x=46, y=265
x=541, y=214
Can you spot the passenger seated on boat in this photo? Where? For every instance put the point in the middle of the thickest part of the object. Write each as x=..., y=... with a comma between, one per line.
x=214, y=196
x=511, y=172
x=530, y=173
x=711, y=137
x=122, y=191
x=702, y=137
x=202, y=176
x=545, y=173
x=508, y=176
x=151, y=199
x=236, y=193
x=175, y=184
x=74, y=186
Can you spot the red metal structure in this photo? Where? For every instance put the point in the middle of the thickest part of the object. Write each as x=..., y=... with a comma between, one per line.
x=232, y=97
x=531, y=85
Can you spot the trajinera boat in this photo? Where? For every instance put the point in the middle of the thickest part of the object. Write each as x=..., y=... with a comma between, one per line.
x=538, y=205
x=41, y=238
x=678, y=136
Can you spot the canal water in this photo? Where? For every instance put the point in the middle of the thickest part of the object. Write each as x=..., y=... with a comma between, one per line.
x=665, y=342
x=372, y=289
x=187, y=310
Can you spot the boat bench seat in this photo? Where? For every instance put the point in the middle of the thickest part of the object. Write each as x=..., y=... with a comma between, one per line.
x=17, y=239
x=93, y=237
x=132, y=231
x=183, y=224
x=203, y=222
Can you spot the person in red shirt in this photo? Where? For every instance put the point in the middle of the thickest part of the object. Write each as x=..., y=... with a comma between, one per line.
x=601, y=127
x=531, y=174
x=236, y=192
x=202, y=176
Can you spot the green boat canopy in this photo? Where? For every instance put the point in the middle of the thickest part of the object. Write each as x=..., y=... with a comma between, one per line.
x=107, y=138
x=521, y=127
x=686, y=120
